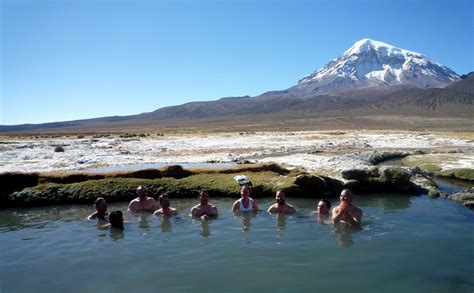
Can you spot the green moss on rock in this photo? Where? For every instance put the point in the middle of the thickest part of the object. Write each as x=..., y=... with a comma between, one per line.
x=123, y=189
x=178, y=182
x=433, y=193
x=419, y=161
x=430, y=168
x=462, y=174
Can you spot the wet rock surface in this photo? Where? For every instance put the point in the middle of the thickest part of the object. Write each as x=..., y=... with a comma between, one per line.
x=466, y=197
x=311, y=185
x=48, y=189
x=384, y=179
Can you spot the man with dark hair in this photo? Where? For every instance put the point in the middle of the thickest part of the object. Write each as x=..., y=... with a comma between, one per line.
x=322, y=211
x=323, y=208
x=101, y=209
x=143, y=202
x=204, y=210
x=166, y=209
x=281, y=206
x=346, y=212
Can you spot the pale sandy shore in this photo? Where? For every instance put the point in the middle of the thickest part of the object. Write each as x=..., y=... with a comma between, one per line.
x=322, y=151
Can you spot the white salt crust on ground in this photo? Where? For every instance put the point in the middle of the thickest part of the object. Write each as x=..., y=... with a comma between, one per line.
x=313, y=150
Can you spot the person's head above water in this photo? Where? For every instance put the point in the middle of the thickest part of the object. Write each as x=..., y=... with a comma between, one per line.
x=281, y=206
x=346, y=196
x=164, y=200
x=323, y=207
x=203, y=197
x=100, y=204
x=245, y=191
x=280, y=197
x=142, y=192
x=346, y=213
x=116, y=219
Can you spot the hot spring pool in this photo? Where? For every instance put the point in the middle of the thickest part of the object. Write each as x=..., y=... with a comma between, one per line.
x=408, y=244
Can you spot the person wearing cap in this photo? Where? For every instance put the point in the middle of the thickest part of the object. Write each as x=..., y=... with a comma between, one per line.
x=245, y=203
x=166, y=208
x=204, y=209
x=281, y=206
x=345, y=212
x=143, y=202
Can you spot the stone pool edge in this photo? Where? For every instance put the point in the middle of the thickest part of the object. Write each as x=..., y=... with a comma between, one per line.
x=43, y=189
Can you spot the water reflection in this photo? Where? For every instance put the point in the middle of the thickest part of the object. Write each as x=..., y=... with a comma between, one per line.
x=345, y=238
x=204, y=231
x=281, y=221
x=116, y=234
x=38, y=218
x=246, y=223
x=143, y=219
x=166, y=224
x=101, y=223
x=450, y=186
x=246, y=217
x=144, y=224
x=323, y=219
x=344, y=233
x=387, y=202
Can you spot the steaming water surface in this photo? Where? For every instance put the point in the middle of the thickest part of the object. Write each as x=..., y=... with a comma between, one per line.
x=408, y=244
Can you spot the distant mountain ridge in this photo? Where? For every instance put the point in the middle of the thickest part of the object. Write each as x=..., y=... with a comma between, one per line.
x=370, y=75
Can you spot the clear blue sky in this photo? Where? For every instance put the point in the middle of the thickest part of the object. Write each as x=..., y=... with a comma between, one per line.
x=67, y=59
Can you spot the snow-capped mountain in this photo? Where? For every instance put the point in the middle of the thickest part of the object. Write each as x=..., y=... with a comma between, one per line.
x=371, y=63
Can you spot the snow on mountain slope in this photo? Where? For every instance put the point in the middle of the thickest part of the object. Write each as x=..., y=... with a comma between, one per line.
x=371, y=63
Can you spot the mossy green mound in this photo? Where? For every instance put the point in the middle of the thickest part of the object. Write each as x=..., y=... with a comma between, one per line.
x=48, y=189
x=418, y=161
x=433, y=163
x=57, y=188
x=461, y=174
x=433, y=193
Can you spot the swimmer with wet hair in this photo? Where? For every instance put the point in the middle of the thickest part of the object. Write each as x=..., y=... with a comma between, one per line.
x=166, y=208
x=116, y=220
x=101, y=209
